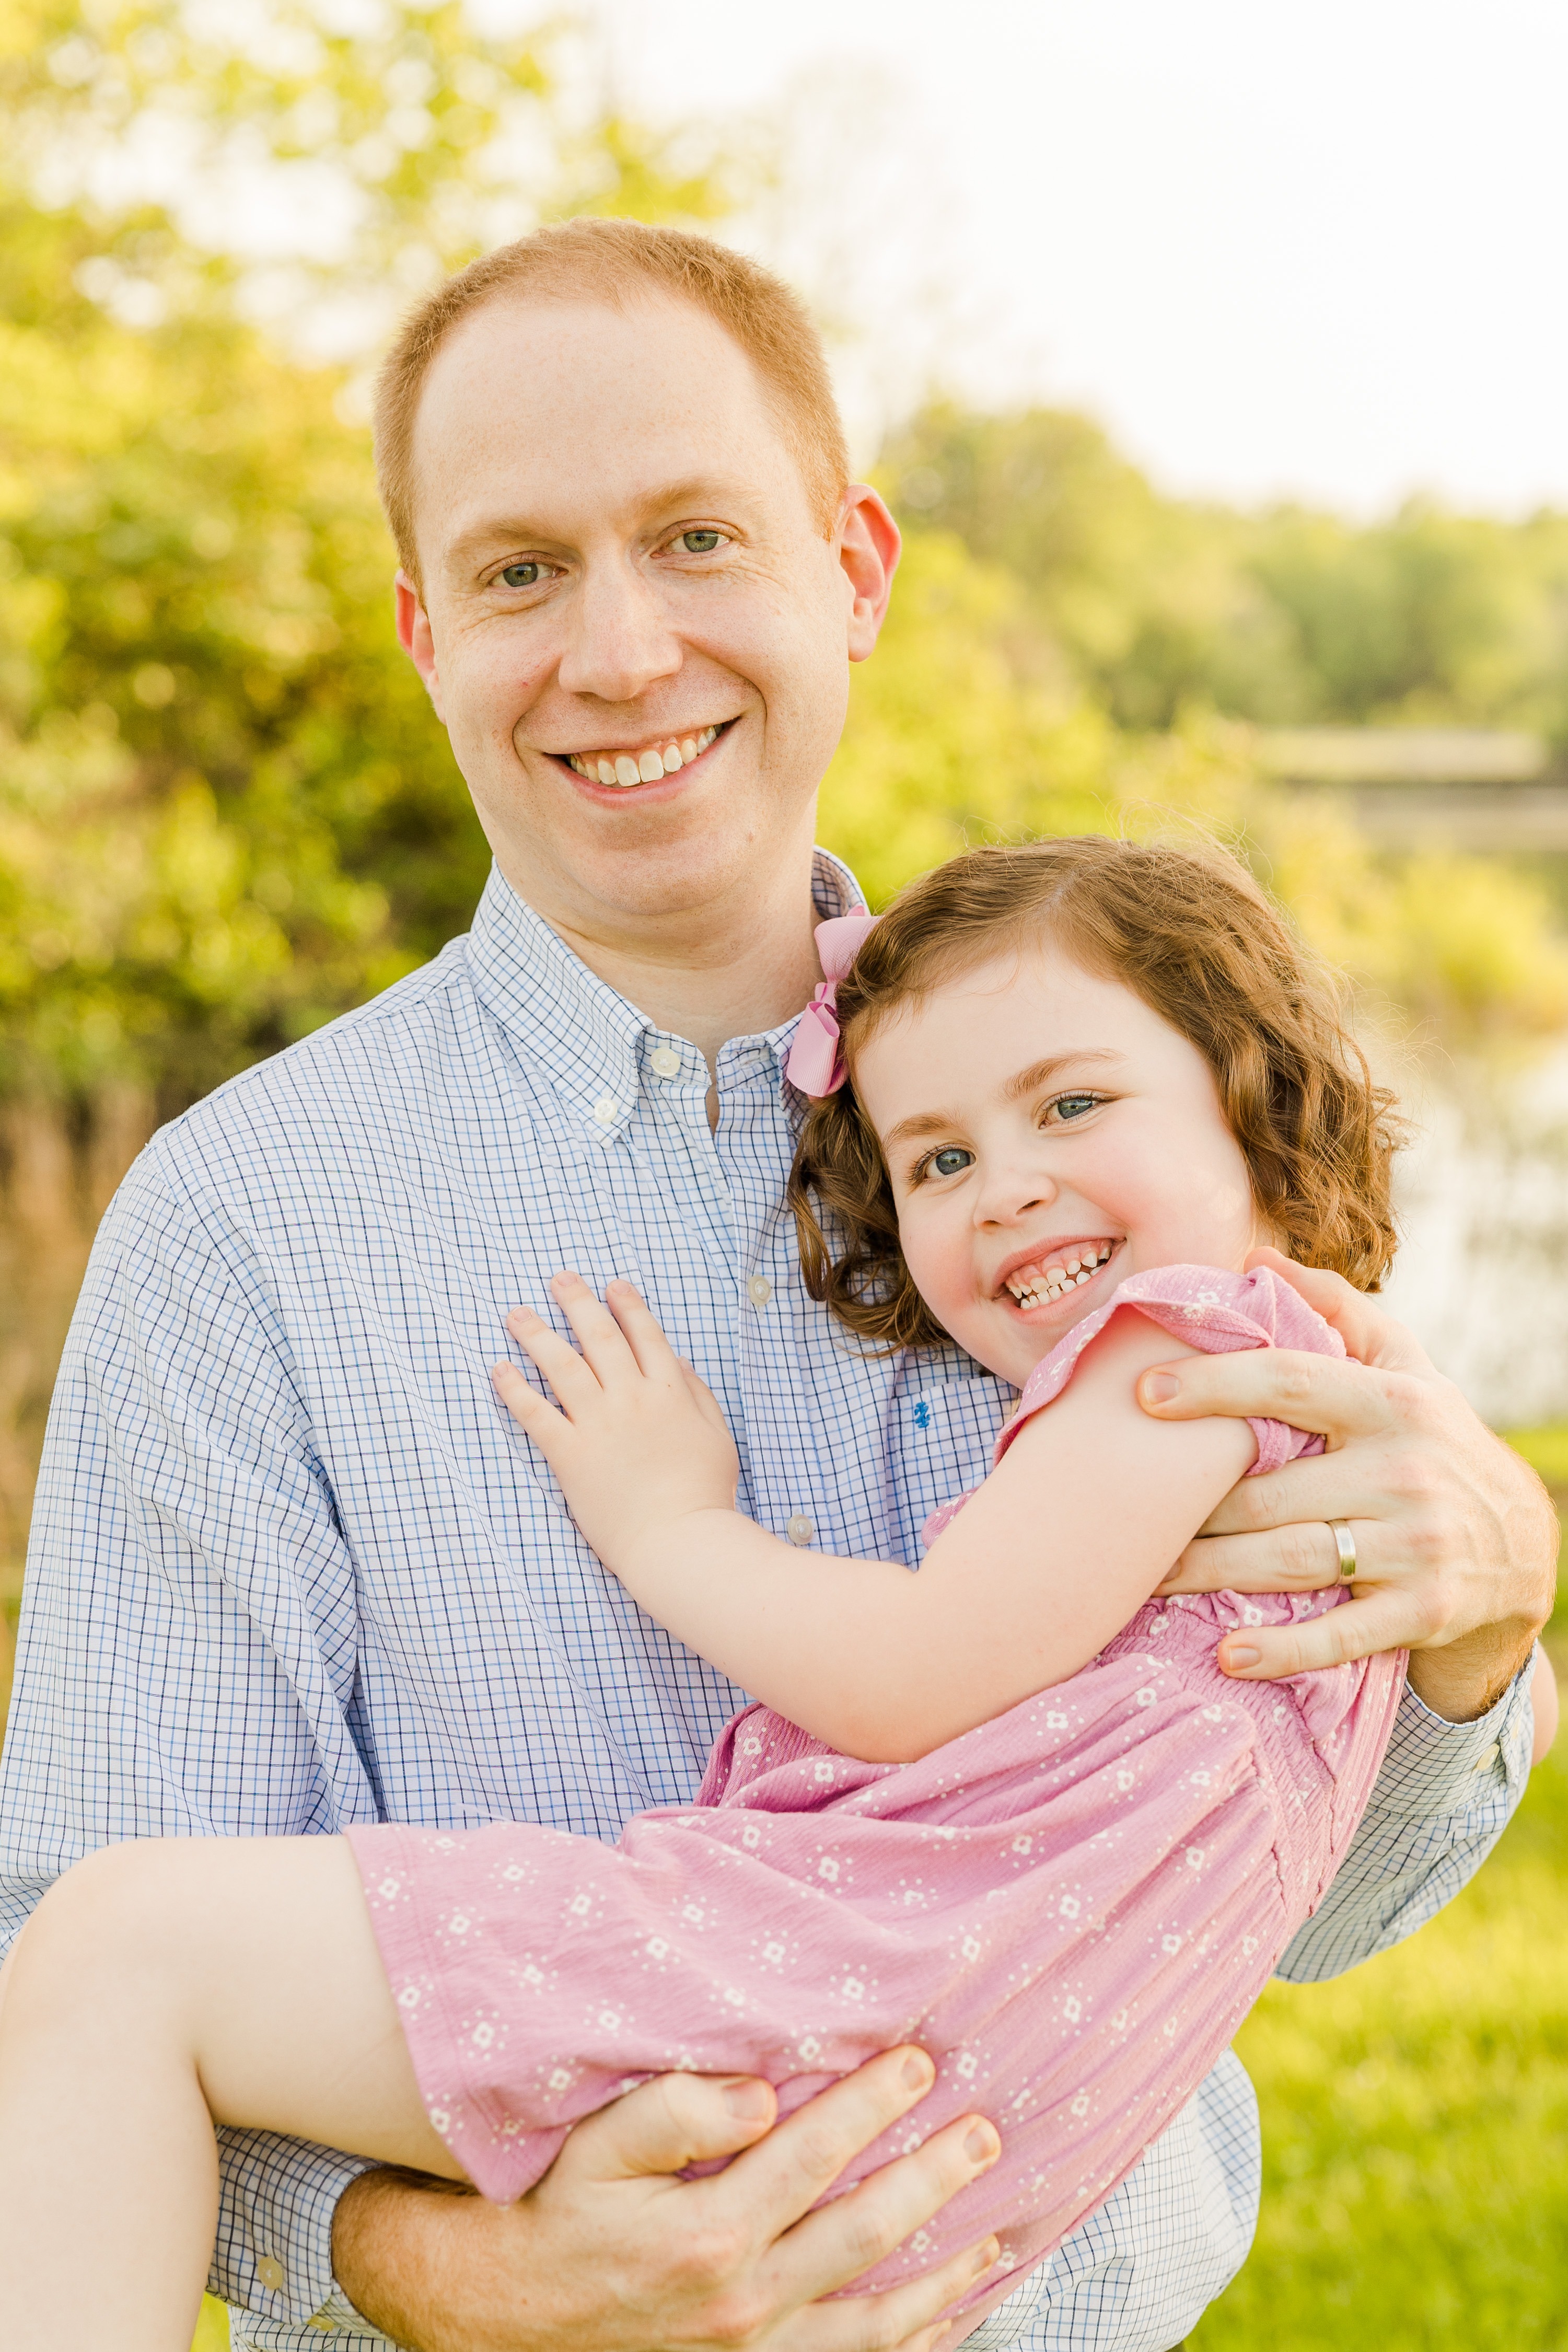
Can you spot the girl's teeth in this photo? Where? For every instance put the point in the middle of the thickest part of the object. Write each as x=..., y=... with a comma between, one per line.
x=1056, y=1280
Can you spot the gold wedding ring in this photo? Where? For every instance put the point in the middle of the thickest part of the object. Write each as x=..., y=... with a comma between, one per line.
x=1345, y=1543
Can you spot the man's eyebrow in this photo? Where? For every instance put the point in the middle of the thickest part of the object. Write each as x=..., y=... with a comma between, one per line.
x=517, y=530
x=1040, y=1074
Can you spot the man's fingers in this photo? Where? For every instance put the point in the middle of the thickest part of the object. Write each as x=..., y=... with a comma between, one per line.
x=776, y=2183
x=1371, y=1336
x=1301, y=1558
x=902, y=2319
x=1389, y=1619
x=1326, y=1393
x=665, y=2124
x=848, y=2236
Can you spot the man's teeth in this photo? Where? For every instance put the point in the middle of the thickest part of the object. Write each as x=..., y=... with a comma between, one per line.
x=1037, y=1285
x=628, y=768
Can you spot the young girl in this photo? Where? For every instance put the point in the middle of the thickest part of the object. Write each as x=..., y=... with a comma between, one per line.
x=1011, y=1809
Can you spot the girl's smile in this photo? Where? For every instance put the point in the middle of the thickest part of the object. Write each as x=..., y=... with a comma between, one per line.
x=1047, y=1134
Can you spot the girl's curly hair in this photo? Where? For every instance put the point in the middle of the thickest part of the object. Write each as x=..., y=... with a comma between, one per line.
x=1195, y=939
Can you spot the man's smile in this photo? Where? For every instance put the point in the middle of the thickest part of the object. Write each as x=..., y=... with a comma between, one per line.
x=625, y=766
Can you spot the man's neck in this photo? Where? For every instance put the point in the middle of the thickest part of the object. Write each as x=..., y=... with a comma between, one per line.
x=730, y=970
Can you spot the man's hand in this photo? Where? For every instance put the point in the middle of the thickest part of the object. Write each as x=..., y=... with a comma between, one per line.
x=612, y=2251
x=1455, y=1539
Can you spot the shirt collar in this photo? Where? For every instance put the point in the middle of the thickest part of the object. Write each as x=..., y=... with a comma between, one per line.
x=588, y=1041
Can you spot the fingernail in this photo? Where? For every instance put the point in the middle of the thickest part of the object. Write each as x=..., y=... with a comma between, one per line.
x=1158, y=1388
x=1236, y=1656
x=748, y=2100
x=981, y=2145
x=917, y=2073
x=985, y=2256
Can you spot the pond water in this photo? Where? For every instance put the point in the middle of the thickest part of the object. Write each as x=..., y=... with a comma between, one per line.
x=1482, y=1274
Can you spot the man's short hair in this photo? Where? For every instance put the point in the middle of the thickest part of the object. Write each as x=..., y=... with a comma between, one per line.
x=619, y=262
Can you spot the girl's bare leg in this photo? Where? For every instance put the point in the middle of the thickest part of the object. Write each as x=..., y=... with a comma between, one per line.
x=161, y=1986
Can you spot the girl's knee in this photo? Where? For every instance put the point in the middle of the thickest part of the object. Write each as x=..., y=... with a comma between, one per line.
x=108, y=1922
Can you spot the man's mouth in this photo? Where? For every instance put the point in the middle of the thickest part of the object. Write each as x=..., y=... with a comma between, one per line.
x=1058, y=1270
x=647, y=764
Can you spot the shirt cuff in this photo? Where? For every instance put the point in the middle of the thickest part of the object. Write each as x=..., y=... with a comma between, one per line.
x=1434, y=1768
x=273, y=2257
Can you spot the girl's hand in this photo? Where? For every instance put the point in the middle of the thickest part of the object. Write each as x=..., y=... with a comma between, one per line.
x=639, y=1440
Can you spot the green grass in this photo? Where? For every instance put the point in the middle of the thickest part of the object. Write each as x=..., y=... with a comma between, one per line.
x=1416, y=2128
x=1545, y=1450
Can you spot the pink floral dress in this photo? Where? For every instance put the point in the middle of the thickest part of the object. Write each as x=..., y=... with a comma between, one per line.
x=1071, y=1907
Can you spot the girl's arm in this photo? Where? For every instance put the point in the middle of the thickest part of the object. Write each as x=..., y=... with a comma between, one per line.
x=1065, y=1540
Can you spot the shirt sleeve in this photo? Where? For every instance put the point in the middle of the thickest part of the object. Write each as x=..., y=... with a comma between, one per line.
x=1443, y=1798
x=189, y=1634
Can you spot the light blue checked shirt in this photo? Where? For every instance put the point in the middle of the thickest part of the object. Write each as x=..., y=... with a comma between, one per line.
x=293, y=1567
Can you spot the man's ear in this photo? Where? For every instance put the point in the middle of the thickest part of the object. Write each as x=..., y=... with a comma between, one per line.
x=869, y=547
x=416, y=637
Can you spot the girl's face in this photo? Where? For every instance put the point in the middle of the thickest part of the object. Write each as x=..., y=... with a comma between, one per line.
x=1048, y=1135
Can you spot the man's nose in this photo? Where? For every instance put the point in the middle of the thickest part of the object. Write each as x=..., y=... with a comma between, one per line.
x=619, y=638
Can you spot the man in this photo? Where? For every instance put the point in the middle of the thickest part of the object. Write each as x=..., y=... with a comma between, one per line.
x=292, y=1568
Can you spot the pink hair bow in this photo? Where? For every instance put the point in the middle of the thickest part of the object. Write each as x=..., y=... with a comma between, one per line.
x=814, y=1064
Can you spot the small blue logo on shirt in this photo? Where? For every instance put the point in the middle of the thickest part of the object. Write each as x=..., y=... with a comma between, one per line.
x=922, y=1414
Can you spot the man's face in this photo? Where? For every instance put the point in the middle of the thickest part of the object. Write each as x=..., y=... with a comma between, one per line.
x=625, y=579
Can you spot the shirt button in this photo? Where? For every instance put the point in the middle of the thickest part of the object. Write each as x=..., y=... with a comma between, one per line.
x=666, y=1061
x=269, y=2271
x=1488, y=1756
x=799, y=1530
x=759, y=1290
x=605, y=1108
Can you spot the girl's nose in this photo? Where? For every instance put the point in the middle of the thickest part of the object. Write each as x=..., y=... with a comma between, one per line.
x=1011, y=1192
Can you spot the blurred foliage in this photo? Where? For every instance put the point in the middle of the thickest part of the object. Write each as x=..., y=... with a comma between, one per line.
x=227, y=811
x=1282, y=617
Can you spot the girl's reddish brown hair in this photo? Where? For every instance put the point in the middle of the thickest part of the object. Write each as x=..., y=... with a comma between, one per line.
x=1198, y=941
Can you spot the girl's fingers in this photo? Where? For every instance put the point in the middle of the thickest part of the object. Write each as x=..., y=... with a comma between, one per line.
x=656, y=1359
x=573, y=1381
x=535, y=1416
x=599, y=1335
x=703, y=1397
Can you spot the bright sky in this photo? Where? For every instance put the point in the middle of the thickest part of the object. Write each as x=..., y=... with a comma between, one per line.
x=1313, y=248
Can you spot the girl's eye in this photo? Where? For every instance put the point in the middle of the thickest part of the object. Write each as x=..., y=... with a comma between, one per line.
x=1070, y=1107
x=523, y=575
x=950, y=1162
x=699, y=542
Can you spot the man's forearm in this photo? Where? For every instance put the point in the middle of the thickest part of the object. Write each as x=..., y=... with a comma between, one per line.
x=1465, y=1678
x=396, y=2236
x=1444, y=1796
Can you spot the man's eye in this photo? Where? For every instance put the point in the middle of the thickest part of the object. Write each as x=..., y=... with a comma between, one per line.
x=523, y=575
x=950, y=1160
x=698, y=542
x=1068, y=1106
